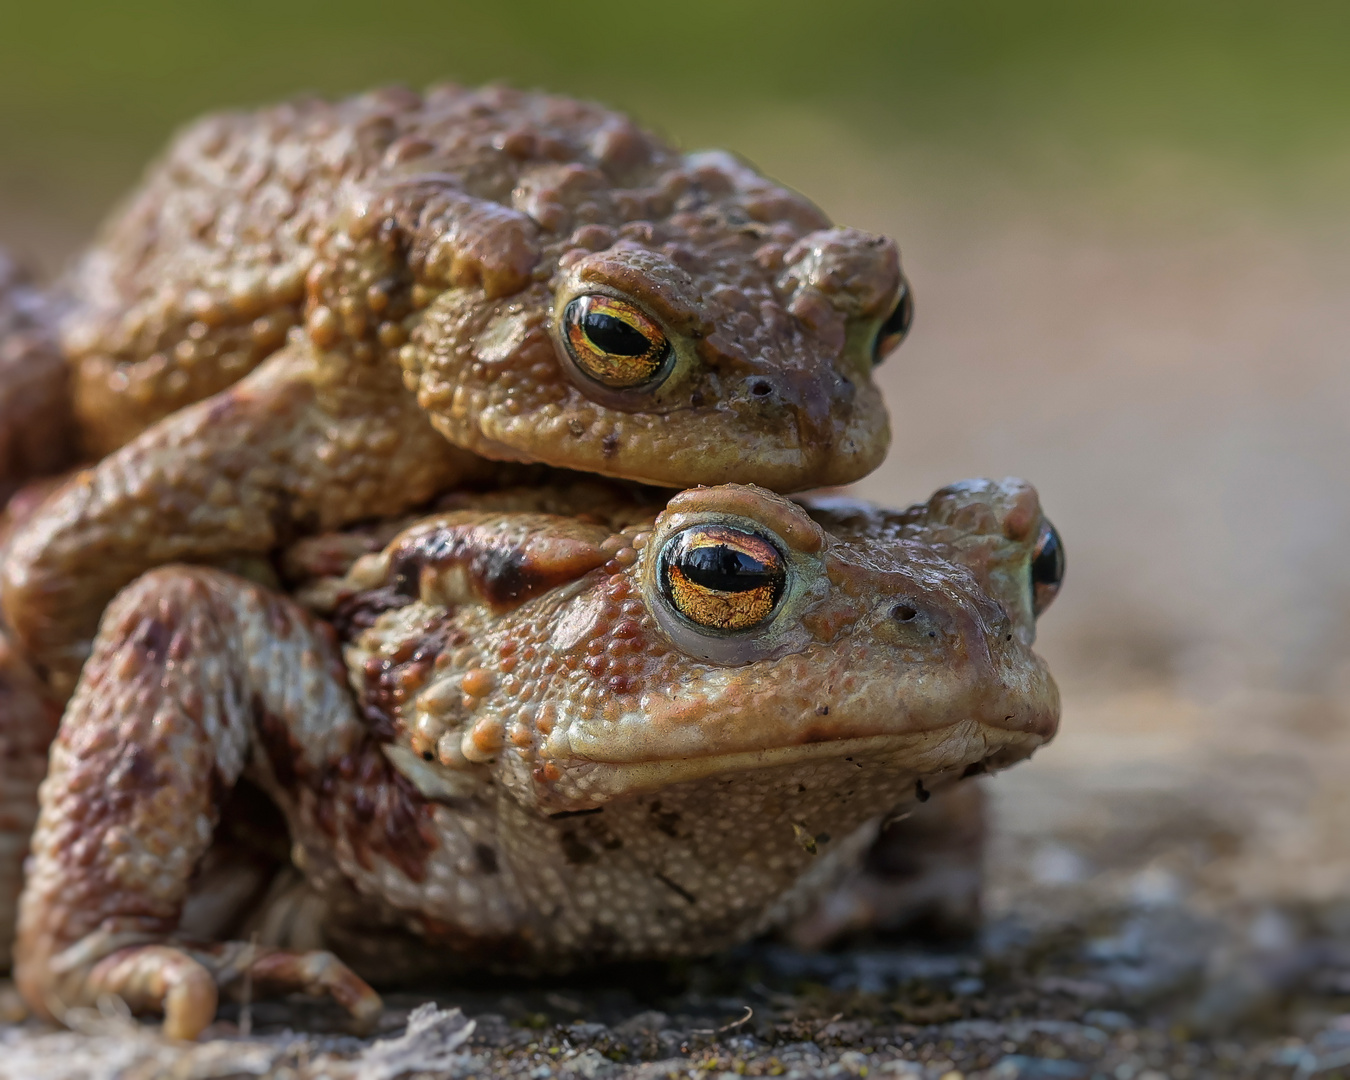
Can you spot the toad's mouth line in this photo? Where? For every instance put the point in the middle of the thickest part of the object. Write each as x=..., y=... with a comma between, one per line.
x=958, y=745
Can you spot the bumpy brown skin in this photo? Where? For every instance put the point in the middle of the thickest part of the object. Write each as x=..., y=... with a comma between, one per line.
x=922, y=878
x=541, y=767
x=37, y=436
x=391, y=269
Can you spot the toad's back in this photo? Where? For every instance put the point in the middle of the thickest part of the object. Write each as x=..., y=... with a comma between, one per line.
x=204, y=272
x=250, y=225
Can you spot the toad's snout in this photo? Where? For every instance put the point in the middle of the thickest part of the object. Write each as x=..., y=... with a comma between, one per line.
x=1027, y=704
x=986, y=672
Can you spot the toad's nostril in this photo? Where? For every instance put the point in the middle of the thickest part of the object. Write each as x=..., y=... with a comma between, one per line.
x=761, y=387
x=904, y=613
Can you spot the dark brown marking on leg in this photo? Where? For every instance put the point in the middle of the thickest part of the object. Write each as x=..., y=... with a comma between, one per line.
x=389, y=816
x=152, y=639
x=505, y=574
x=284, y=756
x=134, y=771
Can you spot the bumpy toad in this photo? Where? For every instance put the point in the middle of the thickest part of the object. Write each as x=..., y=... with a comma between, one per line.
x=367, y=299
x=610, y=735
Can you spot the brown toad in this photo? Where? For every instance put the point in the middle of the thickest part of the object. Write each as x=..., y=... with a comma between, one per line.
x=572, y=739
x=383, y=292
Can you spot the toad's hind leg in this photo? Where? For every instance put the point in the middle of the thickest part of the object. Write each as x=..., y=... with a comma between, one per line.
x=194, y=674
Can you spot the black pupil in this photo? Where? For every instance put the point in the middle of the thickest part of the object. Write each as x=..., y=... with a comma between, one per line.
x=724, y=569
x=898, y=321
x=1047, y=567
x=614, y=336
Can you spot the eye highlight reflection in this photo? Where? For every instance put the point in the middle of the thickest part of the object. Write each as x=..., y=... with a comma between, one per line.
x=721, y=578
x=613, y=341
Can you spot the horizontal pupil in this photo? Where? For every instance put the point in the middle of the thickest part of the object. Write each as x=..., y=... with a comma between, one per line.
x=724, y=569
x=614, y=336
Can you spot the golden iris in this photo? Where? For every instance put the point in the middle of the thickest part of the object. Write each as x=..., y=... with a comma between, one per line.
x=614, y=342
x=722, y=578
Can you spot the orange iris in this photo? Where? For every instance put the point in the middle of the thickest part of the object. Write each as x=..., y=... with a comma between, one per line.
x=613, y=341
x=722, y=578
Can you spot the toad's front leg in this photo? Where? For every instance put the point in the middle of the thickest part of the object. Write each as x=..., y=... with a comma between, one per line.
x=304, y=443
x=195, y=673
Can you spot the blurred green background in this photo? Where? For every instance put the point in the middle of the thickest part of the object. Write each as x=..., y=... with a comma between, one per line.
x=1057, y=94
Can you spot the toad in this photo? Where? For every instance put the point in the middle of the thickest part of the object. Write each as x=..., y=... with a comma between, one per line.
x=551, y=740
x=323, y=313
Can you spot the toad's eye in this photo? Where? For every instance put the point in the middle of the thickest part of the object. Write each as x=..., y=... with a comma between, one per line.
x=721, y=578
x=896, y=326
x=613, y=342
x=1047, y=568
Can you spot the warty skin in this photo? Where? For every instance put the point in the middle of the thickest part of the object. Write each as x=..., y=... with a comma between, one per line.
x=529, y=753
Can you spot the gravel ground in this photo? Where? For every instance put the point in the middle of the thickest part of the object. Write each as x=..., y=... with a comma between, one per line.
x=1125, y=1002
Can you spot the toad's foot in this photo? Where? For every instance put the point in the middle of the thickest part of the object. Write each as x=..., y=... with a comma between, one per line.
x=184, y=981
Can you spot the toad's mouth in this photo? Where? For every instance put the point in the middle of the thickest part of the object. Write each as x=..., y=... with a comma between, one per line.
x=967, y=744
